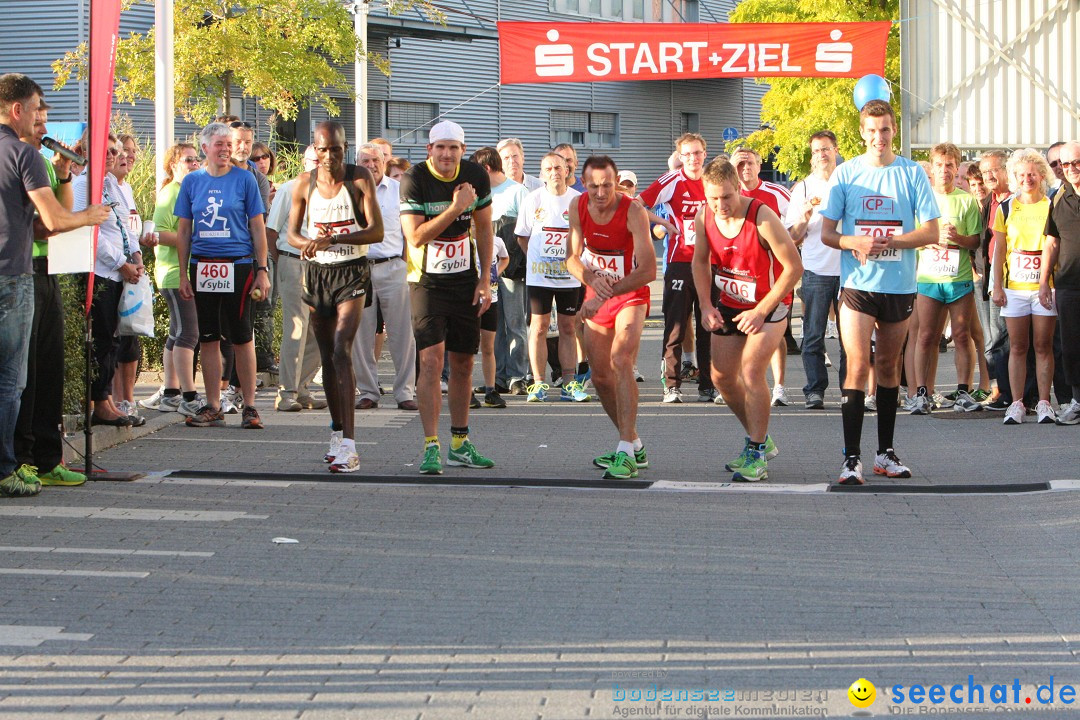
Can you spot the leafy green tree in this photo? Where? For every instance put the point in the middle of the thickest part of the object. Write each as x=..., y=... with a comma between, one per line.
x=795, y=108
x=287, y=53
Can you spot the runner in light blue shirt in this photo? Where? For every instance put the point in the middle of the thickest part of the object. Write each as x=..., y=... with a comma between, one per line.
x=870, y=217
x=880, y=201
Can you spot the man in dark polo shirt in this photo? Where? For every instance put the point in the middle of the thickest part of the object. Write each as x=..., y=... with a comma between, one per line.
x=24, y=186
x=1061, y=255
x=38, y=442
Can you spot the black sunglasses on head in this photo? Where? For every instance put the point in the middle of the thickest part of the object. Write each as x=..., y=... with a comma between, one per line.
x=240, y=124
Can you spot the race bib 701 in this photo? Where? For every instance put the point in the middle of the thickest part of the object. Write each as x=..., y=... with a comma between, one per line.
x=446, y=255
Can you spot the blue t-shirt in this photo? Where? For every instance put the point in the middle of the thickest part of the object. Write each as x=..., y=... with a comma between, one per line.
x=219, y=209
x=880, y=201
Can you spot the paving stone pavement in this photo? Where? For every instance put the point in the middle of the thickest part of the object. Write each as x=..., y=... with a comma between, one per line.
x=168, y=597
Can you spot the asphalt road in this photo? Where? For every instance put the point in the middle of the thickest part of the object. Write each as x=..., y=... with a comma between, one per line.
x=404, y=598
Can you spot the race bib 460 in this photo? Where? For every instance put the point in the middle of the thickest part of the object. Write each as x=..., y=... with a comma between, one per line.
x=217, y=277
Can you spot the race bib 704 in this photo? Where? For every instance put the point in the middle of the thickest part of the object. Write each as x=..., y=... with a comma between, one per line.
x=611, y=266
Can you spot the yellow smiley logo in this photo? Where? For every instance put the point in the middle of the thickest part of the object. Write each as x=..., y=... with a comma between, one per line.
x=862, y=693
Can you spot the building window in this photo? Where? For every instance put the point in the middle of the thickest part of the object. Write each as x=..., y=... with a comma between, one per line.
x=643, y=10
x=406, y=122
x=585, y=129
x=689, y=123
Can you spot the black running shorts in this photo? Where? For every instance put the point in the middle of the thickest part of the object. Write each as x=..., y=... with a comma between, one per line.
x=446, y=314
x=327, y=286
x=886, y=307
x=225, y=314
x=567, y=300
x=730, y=327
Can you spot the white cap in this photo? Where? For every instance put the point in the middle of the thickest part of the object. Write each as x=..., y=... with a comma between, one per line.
x=446, y=130
x=625, y=175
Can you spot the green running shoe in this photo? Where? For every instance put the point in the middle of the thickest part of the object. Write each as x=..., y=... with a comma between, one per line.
x=640, y=459
x=622, y=467
x=468, y=456
x=755, y=467
x=60, y=475
x=22, y=482
x=432, y=462
x=771, y=451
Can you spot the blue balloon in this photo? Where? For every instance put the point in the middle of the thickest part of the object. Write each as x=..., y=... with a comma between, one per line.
x=871, y=87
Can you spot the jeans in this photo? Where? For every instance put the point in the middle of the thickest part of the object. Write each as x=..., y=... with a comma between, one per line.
x=982, y=307
x=16, y=319
x=819, y=293
x=511, y=338
x=997, y=356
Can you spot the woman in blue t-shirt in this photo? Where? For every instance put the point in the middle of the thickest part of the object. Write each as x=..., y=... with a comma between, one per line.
x=221, y=240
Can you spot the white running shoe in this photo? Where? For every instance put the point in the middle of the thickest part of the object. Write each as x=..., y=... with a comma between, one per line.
x=886, y=463
x=346, y=461
x=231, y=400
x=921, y=406
x=154, y=401
x=828, y=360
x=1015, y=414
x=719, y=399
x=1069, y=414
x=1045, y=412
x=851, y=473
x=779, y=397
x=940, y=402
x=170, y=403
x=335, y=446
x=966, y=403
x=191, y=409
x=830, y=329
x=870, y=403
x=672, y=395
x=909, y=403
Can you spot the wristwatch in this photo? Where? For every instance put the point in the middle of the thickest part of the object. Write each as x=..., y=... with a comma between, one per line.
x=264, y=268
x=66, y=180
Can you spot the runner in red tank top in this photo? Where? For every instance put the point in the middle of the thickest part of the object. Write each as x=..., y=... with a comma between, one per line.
x=744, y=275
x=611, y=253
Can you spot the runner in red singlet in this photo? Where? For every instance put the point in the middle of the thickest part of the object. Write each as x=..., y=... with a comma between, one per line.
x=611, y=253
x=744, y=275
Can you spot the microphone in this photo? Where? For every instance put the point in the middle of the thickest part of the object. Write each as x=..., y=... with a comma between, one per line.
x=58, y=148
